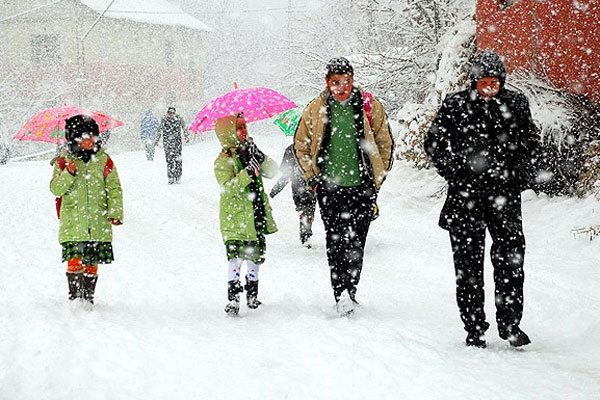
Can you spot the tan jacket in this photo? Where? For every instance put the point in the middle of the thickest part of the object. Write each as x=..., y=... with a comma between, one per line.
x=378, y=143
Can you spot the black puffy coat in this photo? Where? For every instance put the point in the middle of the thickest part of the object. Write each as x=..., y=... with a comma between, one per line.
x=485, y=151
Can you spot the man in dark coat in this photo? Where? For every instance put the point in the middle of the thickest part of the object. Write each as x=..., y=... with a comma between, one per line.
x=483, y=142
x=304, y=198
x=148, y=127
x=171, y=128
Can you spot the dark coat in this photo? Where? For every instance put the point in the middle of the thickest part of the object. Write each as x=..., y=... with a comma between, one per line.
x=485, y=151
x=171, y=130
x=290, y=171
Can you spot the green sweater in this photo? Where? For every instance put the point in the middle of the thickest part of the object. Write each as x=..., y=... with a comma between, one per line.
x=341, y=166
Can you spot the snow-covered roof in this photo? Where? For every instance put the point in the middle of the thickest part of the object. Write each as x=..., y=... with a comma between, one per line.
x=159, y=12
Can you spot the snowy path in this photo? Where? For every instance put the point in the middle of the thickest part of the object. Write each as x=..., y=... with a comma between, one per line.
x=158, y=330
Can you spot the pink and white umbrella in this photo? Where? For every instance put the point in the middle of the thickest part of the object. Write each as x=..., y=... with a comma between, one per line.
x=49, y=125
x=255, y=104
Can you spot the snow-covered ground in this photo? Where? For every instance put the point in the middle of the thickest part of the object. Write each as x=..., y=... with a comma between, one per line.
x=158, y=330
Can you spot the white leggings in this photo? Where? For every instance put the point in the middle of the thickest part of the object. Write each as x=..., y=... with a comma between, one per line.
x=235, y=265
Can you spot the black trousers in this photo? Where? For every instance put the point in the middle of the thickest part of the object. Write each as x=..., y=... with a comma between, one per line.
x=174, y=163
x=507, y=254
x=346, y=213
x=306, y=214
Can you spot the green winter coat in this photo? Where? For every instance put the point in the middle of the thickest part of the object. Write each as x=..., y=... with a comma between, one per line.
x=87, y=204
x=236, y=211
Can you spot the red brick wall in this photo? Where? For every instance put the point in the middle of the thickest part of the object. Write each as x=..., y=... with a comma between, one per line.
x=559, y=39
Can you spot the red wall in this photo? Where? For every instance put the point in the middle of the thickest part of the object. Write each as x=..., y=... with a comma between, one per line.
x=559, y=39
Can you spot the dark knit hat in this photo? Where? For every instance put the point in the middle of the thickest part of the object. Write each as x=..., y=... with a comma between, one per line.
x=488, y=63
x=339, y=66
x=78, y=125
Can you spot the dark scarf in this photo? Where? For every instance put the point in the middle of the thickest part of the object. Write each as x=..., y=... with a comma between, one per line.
x=254, y=186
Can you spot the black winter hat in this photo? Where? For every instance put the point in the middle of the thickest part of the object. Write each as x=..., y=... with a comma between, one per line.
x=488, y=63
x=78, y=125
x=339, y=66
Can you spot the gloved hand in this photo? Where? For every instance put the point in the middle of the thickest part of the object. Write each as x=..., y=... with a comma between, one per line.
x=71, y=167
x=253, y=166
x=254, y=151
x=375, y=209
x=115, y=221
x=313, y=183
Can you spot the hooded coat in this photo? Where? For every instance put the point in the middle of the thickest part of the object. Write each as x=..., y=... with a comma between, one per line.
x=236, y=207
x=148, y=126
x=483, y=149
x=89, y=199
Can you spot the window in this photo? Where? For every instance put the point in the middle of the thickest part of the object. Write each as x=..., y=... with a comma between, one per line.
x=45, y=48
x=504, y=4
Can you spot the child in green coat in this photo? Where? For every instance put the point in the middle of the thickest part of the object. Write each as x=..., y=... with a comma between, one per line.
x=90, y=201
x=245, y=214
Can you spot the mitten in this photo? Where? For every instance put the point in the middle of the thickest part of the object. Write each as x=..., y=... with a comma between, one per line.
x=253, y=166
x=71, y=168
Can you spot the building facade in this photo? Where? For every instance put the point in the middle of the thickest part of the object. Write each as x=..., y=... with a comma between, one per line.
x=137, y=56
x=558, y=39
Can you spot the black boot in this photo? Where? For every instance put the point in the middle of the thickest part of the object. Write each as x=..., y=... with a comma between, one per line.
x=476, y=339
x=74, y=279
x=352, y=292
x=233, y=295
x=252, y=294
x=476, y=336
x=89, y=287
x=515, y=336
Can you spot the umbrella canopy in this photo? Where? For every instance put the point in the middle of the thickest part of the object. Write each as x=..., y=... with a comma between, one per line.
x=288, y=120
x=49, y=125
x=255, y=103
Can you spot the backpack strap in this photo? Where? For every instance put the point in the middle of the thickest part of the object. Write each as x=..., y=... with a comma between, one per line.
x=368, y=106
x=62, y=164
x=108, y=167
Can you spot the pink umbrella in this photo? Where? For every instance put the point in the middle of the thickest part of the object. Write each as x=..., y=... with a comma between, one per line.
x=49, y=125
x=255, y=103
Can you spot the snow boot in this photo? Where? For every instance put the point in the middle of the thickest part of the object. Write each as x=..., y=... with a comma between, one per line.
x=252, y=294
x=74, y=279
x=344, y=305
x=89, y=287
x=352, y=294
x=233, y=295
x=476, y=339
x=476, y=335
x=307, y=243
x=515, y=336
